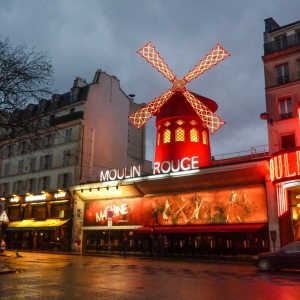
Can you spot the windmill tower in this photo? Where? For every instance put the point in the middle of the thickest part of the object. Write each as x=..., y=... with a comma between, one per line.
x=183, y=119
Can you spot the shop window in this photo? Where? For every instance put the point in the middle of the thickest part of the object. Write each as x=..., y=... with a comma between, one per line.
x=288, y=141
x=179, y=135
x=194, y=136
x=14, y=212
x=60, y=211
x=39, y=211
x=27, y=211
x=204, y=138
x=167, y=136
x=285, y=108
x=282, y=73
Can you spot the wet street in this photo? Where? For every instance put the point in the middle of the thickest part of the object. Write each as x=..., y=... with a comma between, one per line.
x=56, y=276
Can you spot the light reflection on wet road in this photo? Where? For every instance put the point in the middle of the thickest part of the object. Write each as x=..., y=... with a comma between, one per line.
x=54, y=276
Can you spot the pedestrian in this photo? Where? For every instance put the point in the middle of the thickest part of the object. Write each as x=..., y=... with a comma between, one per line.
x=165, y=246
x=124, y=246
x=159, y=245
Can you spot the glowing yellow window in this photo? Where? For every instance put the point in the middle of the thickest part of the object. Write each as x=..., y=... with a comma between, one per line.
x=167, y=124
x=167, y=136
x=193, y=122
x=158, y=139
x=179, y=122
x=204, y=138
x=194, y=135
x=179, y=135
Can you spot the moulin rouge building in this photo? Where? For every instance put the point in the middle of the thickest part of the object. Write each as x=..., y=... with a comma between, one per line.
x=205, y=205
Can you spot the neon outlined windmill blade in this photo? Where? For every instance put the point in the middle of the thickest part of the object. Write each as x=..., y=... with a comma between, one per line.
x=216, y=55
x=140, y=117
x=149, y=53
x=212, y=121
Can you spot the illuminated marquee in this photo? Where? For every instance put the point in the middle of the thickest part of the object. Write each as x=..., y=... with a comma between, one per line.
x=60, y=195
x=184, y=164
x=31, y=198
x=285, y=166
x=118, y=174
x=116, y=209
x=14, y=199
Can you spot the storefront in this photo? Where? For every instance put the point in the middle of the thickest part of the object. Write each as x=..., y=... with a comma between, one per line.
x=40, y=222
x=213, y=210
x=285, y=175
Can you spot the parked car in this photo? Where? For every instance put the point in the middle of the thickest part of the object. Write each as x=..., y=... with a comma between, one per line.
x=3, y=245
x=288, y=257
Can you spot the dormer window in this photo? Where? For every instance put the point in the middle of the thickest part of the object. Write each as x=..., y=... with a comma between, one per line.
x=42, y=106
x=55, y=100
x=74, y=94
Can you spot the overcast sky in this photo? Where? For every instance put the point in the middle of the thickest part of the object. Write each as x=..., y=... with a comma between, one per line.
x=83, y=36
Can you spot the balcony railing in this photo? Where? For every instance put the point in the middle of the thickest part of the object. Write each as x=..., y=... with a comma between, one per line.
x=283, y=79
x=282, y=44
x=286, y=116
x=67, y=118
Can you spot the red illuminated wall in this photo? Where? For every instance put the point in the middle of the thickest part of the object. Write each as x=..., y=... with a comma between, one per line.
x=243, y=205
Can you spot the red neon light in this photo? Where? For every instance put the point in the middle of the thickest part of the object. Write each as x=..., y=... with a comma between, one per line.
x=149, y=53
x=285, y=166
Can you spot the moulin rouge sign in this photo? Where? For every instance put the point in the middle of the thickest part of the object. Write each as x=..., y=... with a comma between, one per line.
x=285, y=166
x=166, y=167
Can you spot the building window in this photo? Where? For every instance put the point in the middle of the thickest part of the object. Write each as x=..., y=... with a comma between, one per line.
x=281, y=42
x=204, y=138
x=68, y=135
x=167, y=136
x=32, y=164
x=194, y=137
x=30, y=185
x=18, y=187
x=288, y=141
x=6, y=169
x=4, y=189
x=44, y=183
x=45, y=162
x=179, y=135
x=14, y=212
x=285, y=108
x=20, y=166
x=282, y=73
x=63, y=181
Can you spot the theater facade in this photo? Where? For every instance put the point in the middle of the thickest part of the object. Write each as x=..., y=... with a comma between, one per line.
x=225, y=208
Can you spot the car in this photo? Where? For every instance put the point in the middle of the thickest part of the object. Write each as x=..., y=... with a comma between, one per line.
x=3, y=245
x=288, y=257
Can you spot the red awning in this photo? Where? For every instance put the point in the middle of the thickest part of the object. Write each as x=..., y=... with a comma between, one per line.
x=201, y=228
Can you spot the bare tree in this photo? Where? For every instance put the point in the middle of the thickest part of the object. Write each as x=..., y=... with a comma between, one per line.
x=26, y=77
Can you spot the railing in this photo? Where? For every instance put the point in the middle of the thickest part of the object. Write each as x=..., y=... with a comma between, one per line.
x=254, y=153
x=282, y=44
x=67, y=118
x=283, y=79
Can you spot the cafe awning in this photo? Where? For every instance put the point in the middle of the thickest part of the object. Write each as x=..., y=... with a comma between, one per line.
x=48, y=224
x=230, y=228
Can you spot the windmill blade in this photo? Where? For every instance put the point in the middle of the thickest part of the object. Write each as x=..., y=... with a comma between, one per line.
x=212, y=121
x=152, y=56
x=140, y=117
x=214, y=57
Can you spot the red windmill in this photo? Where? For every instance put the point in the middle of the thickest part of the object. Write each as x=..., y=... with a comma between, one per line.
x=183, y=118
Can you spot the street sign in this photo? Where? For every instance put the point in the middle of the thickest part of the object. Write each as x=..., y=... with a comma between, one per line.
x=4, y=217
x=109, y=223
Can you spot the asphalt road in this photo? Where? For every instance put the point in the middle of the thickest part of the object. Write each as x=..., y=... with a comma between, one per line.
x=59, y=276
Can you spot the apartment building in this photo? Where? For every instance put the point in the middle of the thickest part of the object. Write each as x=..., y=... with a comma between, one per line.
x=78, y=134
x=281, y=61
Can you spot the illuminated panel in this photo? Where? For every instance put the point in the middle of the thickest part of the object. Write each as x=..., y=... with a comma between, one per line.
x=212, y=121
x=167, y=124
x=149, y=53
x=158, y=139
x=194, y=137
x=193, y=122
x=282, y=199
x=204, y=138
x=179, y=135
x=214, y=57
x=179, y=122
x=140, y=117
x=167, y=136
